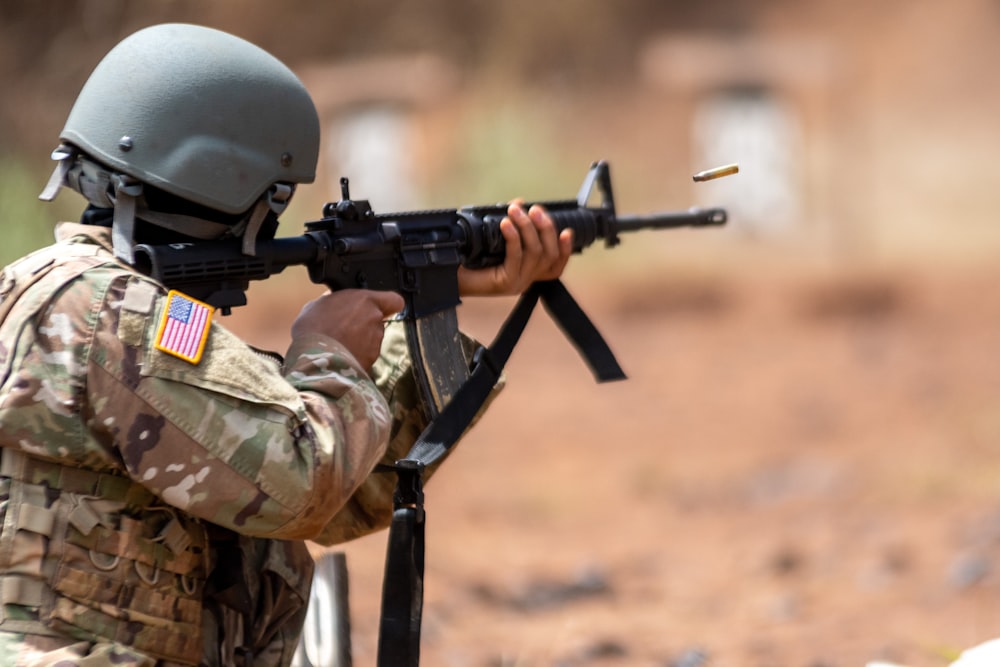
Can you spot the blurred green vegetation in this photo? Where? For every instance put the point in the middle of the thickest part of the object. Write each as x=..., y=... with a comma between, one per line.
x=507, y=152
x=27, y=222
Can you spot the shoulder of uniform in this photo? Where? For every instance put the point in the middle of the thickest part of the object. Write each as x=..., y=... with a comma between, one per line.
x=140, y=295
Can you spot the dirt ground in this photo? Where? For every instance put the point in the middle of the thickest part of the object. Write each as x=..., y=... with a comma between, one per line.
x=800, y=471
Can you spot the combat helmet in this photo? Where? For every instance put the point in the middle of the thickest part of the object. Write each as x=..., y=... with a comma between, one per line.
x=196, y=113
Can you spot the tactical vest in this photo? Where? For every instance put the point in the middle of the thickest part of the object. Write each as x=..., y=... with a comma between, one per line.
x=92, y=555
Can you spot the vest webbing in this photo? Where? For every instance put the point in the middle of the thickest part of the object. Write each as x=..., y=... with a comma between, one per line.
x=93, y=556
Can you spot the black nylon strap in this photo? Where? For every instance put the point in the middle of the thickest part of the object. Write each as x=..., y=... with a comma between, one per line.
x=488, y=364
x=403, y=583
x=576, y=326
x=402, y=592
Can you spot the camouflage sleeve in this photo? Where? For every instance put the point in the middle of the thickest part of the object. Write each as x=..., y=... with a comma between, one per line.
x=233, y=439
x=370, y=507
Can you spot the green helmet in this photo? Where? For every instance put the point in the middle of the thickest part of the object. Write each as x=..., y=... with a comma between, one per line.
x=197, y=113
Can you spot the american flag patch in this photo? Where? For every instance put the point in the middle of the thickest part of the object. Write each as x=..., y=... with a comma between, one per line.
x=184, y=327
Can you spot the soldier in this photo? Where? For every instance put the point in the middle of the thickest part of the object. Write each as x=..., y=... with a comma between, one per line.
x=158, y=477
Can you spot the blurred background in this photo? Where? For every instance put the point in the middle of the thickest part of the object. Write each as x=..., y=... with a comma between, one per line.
x=802, y=469
x=863, y=130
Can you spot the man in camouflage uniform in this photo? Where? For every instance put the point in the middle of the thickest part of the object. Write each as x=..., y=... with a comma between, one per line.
x=156, y=493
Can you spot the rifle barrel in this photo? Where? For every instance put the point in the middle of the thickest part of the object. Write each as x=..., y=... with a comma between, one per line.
x=695, y=217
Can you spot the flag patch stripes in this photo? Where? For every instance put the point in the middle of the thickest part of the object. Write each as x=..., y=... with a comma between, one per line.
x=184, y=327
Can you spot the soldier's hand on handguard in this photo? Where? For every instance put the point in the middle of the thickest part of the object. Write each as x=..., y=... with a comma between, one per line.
x=534, y=251
x=354, y=317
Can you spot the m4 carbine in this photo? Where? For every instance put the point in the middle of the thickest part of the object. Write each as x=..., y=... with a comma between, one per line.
x=415, y=253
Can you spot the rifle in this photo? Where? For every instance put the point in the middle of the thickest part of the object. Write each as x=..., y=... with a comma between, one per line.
x=417, y=254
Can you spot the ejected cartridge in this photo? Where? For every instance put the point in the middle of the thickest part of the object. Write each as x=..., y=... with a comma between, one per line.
x=718, y=172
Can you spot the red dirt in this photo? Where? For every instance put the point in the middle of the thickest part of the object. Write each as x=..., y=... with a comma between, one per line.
x=800, y=472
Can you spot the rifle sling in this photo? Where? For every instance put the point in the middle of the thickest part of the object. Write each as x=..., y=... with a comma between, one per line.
x=402, y=594
x=576, y=326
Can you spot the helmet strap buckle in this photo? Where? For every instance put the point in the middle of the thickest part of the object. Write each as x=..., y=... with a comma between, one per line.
x=275, y=200
x=127, y=192
x=65, y=157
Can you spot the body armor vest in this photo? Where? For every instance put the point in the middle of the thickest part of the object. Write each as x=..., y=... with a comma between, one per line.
x=92, y=556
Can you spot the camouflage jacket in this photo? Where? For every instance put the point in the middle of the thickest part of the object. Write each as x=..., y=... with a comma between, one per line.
x=236, y=445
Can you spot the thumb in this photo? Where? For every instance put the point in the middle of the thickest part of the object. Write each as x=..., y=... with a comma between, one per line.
x=389, y=303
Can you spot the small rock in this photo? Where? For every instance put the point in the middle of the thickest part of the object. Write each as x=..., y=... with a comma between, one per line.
x=692, y=657
x=967, y=570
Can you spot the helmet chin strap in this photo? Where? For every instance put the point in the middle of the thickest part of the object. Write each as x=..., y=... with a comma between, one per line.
x=65, y=157
x=124, y=194
x=274, y=200
x=101, y=188
x=127, y=192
